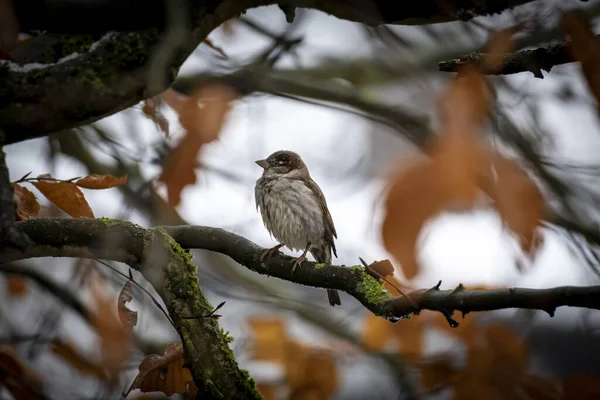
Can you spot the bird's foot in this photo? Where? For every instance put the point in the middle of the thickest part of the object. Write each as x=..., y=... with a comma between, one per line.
x=298, y=261
x=269, y=252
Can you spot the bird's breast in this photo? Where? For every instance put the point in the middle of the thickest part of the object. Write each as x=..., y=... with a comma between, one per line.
x=290, y=212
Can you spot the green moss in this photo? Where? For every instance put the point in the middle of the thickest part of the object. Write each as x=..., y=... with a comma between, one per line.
x=228, y=337
x=250, y=385
x=320, y=265
x=69, y=44
x=373, y=290
x=35, y=77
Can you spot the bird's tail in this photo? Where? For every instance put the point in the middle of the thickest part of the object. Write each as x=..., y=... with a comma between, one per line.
x=334, y=297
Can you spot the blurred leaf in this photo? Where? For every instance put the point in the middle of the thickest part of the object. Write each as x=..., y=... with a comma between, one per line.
x=9, y=25
x=380, y=333
x=218, y=49
x=500, y=43
x=151, y=109
x=582, y=385
x=96, y=181
x=128, y=318
x=383, y=268
x=76, y=360
x=20, y=381
x=438, y=374
x=16, y=286
x=115, y=337
x=267, y=390
x=27, y=205
x=66, y=196
x=269, y=339
x=203, y=124
x=584, y=47
x=518, y=201
x=164, y=373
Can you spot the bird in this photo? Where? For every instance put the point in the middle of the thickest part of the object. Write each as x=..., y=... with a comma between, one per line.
x=294, y=211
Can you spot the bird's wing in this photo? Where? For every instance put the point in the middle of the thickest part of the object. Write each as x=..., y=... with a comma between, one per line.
x=330, y=232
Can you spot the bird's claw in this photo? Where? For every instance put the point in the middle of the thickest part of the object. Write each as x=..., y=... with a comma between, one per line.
x=298, y=261
x=269, y=252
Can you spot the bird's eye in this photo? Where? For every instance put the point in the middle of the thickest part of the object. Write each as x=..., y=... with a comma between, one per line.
x=277, y=162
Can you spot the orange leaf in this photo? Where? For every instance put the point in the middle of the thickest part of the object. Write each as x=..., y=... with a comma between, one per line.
x=164, y=373
x=380, y=269
x=413, y=198
x=128, y=318
x=115, y=337
x=438, y=374
x=518, y=201
x=583, y=385
x=22, y=382
x=27, y=205
x=151, y=109
x=267, y=390
x=9, y=25
x=584, y=47
x=67, y=197
x=203, y=125
x=500, y=43
x=74, y=359
x=96, y=181
x=269, y=339
x=16, y=286
x=511, y=351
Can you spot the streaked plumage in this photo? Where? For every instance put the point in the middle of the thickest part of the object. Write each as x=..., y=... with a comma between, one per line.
x=294, y=209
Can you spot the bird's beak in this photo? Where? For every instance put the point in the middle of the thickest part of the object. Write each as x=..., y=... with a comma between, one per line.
x=262, y=163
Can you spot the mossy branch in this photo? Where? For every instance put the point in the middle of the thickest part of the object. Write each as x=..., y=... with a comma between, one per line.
x=169, y=269
x=129, y=243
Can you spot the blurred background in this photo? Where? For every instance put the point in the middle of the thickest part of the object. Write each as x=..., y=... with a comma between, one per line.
x=325, y=88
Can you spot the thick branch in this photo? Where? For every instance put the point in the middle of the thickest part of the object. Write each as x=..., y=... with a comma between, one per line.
x=113, y=74
x=85, y=238
x=168, y=268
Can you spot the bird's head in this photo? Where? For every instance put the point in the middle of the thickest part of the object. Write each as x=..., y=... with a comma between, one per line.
x=283, y=162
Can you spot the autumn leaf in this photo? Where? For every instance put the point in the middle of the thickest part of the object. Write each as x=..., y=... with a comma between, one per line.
x=96, y=181
x=584, y=47
x=218, y=49
x=66, y=196
x=128, y=318
x=164, y=373
x=20, y=381
x=16, y=286
x=202, y=124
x=27, y=205
x=518, y=200
x=115, y=337
x=72, y=357
x=9, y=25
x=406, y=338
x=380, y=269
x=413, y=198
x=151, y=109
x=269, y=339
x=267, y=390
x=438, y=374
x=499, y=45
x=582, y=385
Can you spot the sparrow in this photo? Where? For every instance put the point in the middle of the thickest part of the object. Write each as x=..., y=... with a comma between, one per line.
x=294, y=211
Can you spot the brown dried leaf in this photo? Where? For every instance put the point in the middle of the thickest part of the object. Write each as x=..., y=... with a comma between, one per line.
x=267, y=390
x=96, y=181
x=116, y=339
x=518, y=201
x=9, y=25
x=16, y=286
x=584, y=47
x=269, y=339
x=414, y=198
x=511, y=352
x=203, y=125
x=438, y=374
x=218, y=49
x=582, y=385
x=381, y=269
x=128, y=318
x=66, y=196
x=22, y=382
x=151, y=109
x=27, y=205
x=76, y=360
x=500, y=43
x=164, y=373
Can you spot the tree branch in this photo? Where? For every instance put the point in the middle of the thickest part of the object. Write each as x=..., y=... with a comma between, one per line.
x=88, y=238
x=110, y=75
x=168, y=268
x=534, y=61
